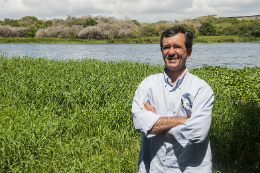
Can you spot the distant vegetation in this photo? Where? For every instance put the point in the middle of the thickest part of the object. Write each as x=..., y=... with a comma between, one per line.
x=109, y=28
x=54, y=40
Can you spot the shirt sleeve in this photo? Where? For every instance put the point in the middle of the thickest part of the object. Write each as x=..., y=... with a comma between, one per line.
x=143, y=120
x=196, y=128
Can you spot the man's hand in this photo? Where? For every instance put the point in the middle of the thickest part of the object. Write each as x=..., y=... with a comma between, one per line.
x=149, y=107
x=167, y=134
x=163, y=124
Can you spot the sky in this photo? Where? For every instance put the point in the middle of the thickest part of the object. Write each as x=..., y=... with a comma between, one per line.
x=145, y=11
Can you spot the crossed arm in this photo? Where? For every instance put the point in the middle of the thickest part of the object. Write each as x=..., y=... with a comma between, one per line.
x=163, y=124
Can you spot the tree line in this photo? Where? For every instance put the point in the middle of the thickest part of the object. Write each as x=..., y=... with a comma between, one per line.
x=88, y=27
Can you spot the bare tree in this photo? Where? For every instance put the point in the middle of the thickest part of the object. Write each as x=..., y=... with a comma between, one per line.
x=90, y=32
x=59, y=31
x=8, y=31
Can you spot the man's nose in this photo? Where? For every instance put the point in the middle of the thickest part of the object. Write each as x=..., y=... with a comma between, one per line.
x=172, y=51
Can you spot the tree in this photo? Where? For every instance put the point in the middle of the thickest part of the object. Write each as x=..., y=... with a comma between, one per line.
x=14, y=23
x=44, y=24
x=256, y=28
x=31, y=19
x=75, y=22
x=69, y=17
x=90, y=22
x=207, y=28
x=136, y=22
x=149, y=30
x=91, y=32
x=87, y=22
x=10, y=22
x=188, y=27
x=7, y=20
x=230, y=30
x=32, y=32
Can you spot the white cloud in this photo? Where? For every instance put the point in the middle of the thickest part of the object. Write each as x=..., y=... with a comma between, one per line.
x=141, y=10
x=226, y=8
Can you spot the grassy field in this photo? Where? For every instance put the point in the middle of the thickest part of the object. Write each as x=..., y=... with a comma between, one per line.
x=74, y=116
x=51, y=40
x=225, y=39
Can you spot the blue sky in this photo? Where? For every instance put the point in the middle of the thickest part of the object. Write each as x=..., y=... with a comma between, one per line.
x=142, y=10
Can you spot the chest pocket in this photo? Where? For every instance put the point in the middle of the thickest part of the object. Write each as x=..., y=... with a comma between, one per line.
x=185, y=107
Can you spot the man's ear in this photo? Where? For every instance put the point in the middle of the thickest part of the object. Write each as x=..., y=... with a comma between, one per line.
x=189, y=51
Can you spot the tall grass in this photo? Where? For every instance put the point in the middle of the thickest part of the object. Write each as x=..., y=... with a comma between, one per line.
x=74, y=116
x=61, y=116
x=225, y=39
x=53, y=40
x=48, y=40
x=235, y=126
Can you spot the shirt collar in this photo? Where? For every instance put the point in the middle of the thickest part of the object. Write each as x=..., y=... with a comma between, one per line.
x=180, y=81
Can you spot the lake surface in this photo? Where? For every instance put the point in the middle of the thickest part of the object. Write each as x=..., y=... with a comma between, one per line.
x=233, y=55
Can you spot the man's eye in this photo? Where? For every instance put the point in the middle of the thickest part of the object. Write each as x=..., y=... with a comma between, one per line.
x=177, y=47
x=165, y=48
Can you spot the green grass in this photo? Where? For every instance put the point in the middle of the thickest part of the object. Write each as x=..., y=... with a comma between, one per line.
x=52, y=40
x=235, y=125
x=74, y=116
x=225, y=39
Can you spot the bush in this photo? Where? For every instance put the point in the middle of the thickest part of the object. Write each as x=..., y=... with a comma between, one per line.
x=32, y=32
x=207, y=28
x=90, y=32
x=8, y=31
x=60, y=31
x=230, y=30
x=126, y=33
x=149, y=30
x=90, y=22
x=109, y=30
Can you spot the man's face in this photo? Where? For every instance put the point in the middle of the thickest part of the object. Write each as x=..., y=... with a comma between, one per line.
x=175, y=52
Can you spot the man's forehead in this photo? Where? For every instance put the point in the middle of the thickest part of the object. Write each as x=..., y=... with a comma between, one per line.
x=177, y=39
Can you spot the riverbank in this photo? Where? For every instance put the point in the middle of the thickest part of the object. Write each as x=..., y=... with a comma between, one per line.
x=52, y=40
x=64, y=116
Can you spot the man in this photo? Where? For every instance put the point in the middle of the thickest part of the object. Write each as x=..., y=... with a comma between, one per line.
x=173, y=112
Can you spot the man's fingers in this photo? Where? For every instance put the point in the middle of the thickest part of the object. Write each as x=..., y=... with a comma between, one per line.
x=148, y=107
x=167, y=134
x=145, y=106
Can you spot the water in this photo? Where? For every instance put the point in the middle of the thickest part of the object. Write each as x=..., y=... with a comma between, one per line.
x=233, y=55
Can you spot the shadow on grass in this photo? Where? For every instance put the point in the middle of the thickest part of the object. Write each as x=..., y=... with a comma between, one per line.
x=236, y=145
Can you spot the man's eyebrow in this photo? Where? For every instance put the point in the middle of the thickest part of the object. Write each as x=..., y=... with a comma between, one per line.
x=172, y=45
x=166, y=45
x=178, y=45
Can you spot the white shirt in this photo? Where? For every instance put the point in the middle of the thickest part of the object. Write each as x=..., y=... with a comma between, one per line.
x=191, y=97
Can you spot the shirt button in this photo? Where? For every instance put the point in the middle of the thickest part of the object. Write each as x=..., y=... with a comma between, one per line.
x=170, y=109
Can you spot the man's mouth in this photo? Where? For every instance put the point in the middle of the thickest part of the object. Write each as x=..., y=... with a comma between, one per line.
x=171, y=58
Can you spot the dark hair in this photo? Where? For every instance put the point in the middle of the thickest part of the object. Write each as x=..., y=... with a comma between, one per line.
x=175, y=30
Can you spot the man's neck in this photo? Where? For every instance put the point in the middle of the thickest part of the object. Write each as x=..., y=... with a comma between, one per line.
x=174, y=75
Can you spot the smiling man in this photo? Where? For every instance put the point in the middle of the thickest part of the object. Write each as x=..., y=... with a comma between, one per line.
x=173, y=112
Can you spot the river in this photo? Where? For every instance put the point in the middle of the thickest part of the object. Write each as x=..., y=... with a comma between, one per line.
x=232, y=55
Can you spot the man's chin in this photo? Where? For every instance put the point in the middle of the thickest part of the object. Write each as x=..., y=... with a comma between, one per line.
x=172, y=65
x=174, y=68
x=171, y=68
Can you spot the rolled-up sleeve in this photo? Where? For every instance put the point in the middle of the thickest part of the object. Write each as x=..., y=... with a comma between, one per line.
x=196, y=128
x=143, y=120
